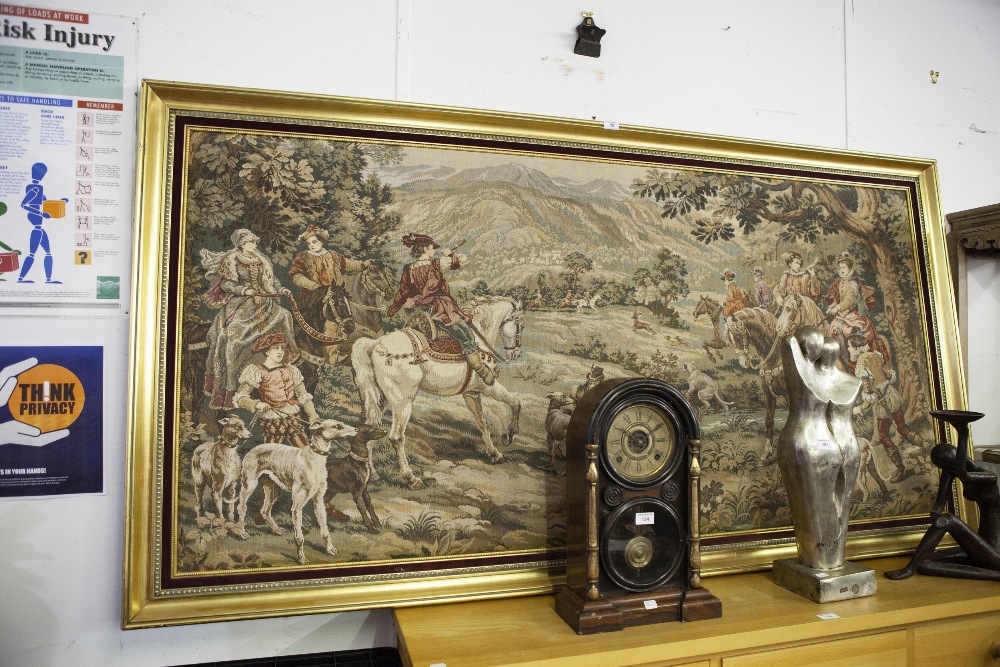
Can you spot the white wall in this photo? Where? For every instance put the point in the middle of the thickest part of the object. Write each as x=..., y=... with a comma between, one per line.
x=838, y=73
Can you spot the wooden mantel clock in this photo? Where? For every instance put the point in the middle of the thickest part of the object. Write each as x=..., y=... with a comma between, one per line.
x=632, y=475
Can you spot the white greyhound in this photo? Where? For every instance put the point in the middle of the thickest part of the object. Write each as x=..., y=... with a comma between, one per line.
x=300, y=471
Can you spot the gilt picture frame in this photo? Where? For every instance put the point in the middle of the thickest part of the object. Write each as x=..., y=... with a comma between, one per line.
x=359, y=328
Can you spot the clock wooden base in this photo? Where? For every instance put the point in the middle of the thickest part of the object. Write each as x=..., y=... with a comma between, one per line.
x=592, y=616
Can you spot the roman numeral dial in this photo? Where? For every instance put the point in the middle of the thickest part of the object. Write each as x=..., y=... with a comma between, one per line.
x=640, y=443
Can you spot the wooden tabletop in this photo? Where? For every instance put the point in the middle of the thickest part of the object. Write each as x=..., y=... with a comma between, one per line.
x=755, y=613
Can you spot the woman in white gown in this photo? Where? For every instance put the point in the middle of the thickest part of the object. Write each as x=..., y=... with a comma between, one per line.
x=247, y=295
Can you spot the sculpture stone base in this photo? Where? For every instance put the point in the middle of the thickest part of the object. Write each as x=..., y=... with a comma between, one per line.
x=842, y=583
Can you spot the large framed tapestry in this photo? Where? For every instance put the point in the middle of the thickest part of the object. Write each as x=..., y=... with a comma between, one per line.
x=360, y=327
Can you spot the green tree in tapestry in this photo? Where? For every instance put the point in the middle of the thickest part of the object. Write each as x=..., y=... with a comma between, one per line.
x=797, y=213
x=277, y=186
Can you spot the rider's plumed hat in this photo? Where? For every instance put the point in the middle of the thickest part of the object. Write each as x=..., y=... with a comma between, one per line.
x=313, y=230
x=787, y=257
x=410, y=240
x=266, y=342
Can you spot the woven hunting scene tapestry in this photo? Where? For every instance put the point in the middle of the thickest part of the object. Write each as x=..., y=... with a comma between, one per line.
x=381, y=344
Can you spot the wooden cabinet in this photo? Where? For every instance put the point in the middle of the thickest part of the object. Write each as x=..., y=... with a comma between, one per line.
x=968, y=642
x=886, y=649
x=921, y=621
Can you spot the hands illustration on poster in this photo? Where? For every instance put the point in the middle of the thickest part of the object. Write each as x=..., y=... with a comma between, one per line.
x=14, y=432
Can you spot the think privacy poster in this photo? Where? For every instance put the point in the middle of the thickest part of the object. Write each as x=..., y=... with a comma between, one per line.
x=51, y=420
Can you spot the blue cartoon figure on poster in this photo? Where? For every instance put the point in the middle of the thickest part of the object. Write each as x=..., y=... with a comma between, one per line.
x=34, y=203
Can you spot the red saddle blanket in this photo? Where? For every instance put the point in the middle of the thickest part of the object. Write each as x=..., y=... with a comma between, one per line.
x=445, y=346
x=434, y=337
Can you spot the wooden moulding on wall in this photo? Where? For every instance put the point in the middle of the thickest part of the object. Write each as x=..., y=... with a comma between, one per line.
x=974, y=232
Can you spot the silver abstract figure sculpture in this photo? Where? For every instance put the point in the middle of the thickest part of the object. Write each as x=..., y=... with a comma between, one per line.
x=817, y=452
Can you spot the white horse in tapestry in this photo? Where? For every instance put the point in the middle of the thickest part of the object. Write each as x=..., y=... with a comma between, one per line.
x=395, y=367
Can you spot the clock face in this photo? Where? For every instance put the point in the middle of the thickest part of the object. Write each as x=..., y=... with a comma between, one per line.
x=640, y=443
